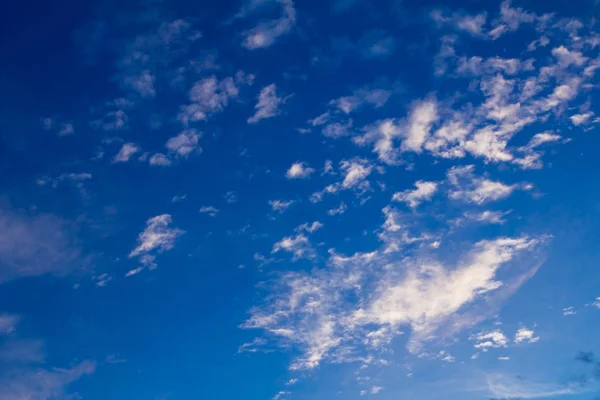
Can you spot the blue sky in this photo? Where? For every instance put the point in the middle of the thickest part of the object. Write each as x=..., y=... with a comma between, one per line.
x=275, y=199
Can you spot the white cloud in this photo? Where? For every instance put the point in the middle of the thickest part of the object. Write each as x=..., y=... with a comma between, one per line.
x=503, y=358
x=310, y=228
x=486, y=217
x=596, y=303
x=298, y=245
x=510, y=19
x=581, y=119
x=157, y=237
x=355, y=171
x=337, y=129
x=376, y=97
x=160, y=160
x=338, y=210
x=179, y=197
x=299, y=170
x=330, y=313
x=420, y=120
x=208, y=96
x=125, y=153
x=280, y=205
x=267, y=33
x=569, y=311
x=475, y=189
x=424, y=191
x=268, y=104
x=525, y=335
x=184, y=143
x=472, y=24
x=376, y=389
x=210, y=210
x=487, y=340
x=281, y=395
x=143, y=83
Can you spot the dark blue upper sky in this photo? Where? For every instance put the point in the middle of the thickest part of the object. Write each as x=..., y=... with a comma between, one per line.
x=275, y=199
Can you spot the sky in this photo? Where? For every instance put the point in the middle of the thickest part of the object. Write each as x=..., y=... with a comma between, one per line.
x=288, y=200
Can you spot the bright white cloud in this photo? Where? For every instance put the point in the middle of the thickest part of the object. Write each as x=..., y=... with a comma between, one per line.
x=299, y=170
x=125, y=153
x=581, y=119
x=268, y=104
x=525, y=335
x=569, y=311
x=420, y=121
x=329, y=312
x=355, y=173
x=487, y=340
x=298, y=245
x=424, y=192
x=475, y=189
x=157, y=237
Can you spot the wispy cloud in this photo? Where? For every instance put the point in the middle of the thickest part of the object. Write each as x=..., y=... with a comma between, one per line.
x=268, y=104
x=157, y=237
x=267, y=33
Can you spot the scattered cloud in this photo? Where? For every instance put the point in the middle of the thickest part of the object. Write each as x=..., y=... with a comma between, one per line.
x=299, y=170
x=474, y=189
x=338, y=210
x=159, y=160
x=125, y=153
x=267, y=33
x=424, y=192
x=310, y=228
x=268, y=104
x=298, y=245
x=280, y=205
x=569, y=311
x=486, y=340
x=329, y=312
x=157, y=237
x=179, y=197
x=525, y=335
x=210, y=210
x=185, y=143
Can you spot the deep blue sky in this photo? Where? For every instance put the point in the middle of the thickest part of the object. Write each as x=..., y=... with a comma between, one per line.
x=269, y=199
